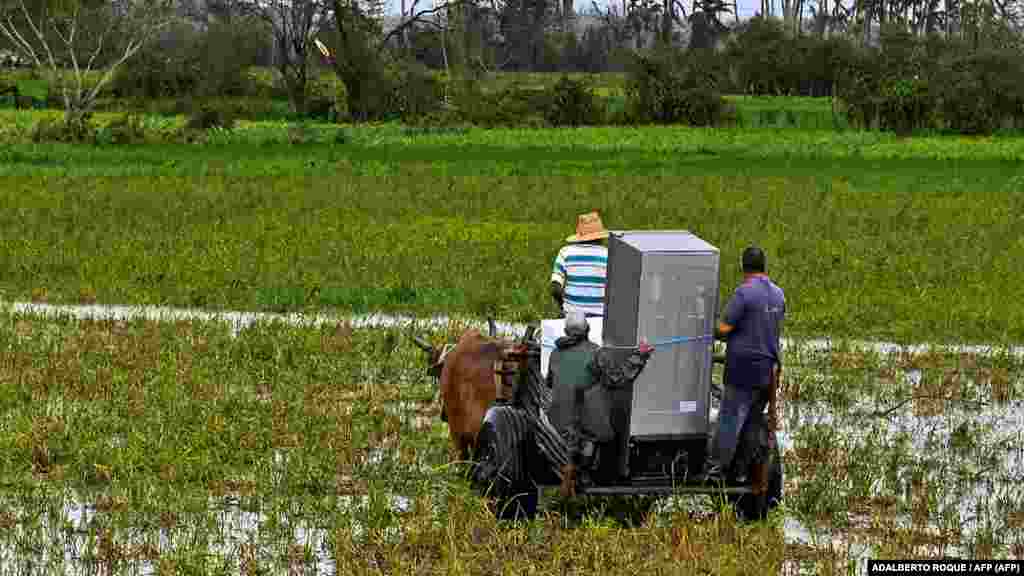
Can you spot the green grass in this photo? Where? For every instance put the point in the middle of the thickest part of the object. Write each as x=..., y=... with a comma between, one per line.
x=788, y=112
x=170, y=431
x=870, y=235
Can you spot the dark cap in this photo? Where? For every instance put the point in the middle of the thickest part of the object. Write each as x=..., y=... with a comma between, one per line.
x=753, y=260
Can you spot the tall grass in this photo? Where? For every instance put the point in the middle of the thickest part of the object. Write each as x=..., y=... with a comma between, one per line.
x=913, y=240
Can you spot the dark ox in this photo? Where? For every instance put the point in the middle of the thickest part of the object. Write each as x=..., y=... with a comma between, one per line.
x=471, y=375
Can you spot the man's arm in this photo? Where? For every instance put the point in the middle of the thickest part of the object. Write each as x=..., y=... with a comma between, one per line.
x=773, y=397
x=558, y=279
x=731, y=317
x=557, y=294
x=611, y=375
x=773, y=392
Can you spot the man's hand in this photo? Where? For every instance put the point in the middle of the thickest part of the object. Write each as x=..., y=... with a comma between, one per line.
x=722, y=331
x=644, y=347
x=557, y=294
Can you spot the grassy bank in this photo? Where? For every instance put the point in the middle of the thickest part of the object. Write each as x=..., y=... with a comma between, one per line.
x=636, y=149
x=283, y=448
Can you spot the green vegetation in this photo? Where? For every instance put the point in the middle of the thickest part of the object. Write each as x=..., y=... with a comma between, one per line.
x=202, y=181
x=170, y=431
x=202, y=452
x=665, y=146
x=871, y=235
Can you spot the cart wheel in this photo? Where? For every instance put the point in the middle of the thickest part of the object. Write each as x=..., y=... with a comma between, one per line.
x=499, y=472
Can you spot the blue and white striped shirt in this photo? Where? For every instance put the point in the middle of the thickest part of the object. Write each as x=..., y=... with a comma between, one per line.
x=581, y=269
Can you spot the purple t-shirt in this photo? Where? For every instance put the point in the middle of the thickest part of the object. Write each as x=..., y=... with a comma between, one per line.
x=756, y=311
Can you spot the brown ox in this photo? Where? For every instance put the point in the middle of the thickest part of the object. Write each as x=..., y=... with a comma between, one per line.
x=471, y=375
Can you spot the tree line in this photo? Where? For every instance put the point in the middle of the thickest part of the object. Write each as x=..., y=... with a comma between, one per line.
x=894, y=64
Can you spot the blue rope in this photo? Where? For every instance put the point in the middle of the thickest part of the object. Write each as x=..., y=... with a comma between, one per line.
x=659, y=344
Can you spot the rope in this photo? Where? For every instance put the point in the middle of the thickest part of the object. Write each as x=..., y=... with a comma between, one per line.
x=659, y=344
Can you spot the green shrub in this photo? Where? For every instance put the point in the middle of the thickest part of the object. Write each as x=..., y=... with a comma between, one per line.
x=416, y=91
x=443, y=120
x=263, y=82
x=762, y=55
x=816, y=65
x=154, y=76
x=910, y=84
x=161, y=72
x=79, y=130
x=224, y=54
x=858, y=90
x=325, y=97
x=669, y=88
x=210, y=63
x=124, y=129
x=393, y=90
x=572, y=103
x=616, y=109
x=211, y=116
x=764, y=60
x=981, y=92
x=512, y=106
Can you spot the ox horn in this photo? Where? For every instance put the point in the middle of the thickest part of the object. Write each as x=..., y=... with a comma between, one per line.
x=423, y=344
x=492, y=328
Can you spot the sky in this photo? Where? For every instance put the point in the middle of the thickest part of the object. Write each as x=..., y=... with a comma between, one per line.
x=747, y=8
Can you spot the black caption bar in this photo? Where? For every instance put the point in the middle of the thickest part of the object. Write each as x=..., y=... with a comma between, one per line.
x=946, y=566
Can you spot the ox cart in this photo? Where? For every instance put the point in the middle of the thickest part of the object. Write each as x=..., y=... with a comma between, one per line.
x=663, y=288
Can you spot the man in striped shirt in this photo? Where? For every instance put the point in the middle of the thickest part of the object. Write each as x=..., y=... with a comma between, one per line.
x=580, y=271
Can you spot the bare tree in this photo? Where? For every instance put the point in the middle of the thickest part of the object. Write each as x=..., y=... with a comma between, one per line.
x=294, y=25
x=613, y=28
x=360, y=45
x=408, y=9
x=73, y=41
x=820, y=18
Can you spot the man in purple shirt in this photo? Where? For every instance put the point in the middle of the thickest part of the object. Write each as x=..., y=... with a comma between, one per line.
x=751, y=325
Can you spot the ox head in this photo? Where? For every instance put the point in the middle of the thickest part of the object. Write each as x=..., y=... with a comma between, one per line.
x=433, y=355
x=435, y=363
x=434, y=359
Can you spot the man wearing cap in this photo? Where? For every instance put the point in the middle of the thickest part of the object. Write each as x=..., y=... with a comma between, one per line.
x=751, y=325
x=579, y=274
x=583, y=378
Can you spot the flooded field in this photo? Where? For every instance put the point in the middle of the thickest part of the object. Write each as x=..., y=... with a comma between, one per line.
x=131, y=446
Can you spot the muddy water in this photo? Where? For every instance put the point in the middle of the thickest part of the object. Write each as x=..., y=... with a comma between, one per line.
x=237, y=534
x=969, y=458
x=968, y=463
x=240, y=320
x=977, y=505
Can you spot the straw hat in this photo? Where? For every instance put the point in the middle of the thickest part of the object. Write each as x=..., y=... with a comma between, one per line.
x=588, y=227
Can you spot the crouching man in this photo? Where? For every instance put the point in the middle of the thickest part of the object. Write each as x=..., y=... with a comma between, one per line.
x=584, y=379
